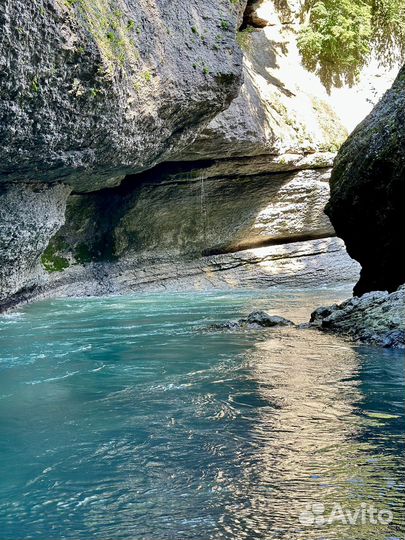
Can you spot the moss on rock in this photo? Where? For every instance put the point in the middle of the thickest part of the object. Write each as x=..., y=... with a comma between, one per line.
x=52, y=261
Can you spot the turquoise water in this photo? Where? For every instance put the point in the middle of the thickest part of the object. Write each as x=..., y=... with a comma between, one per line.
x=121, y=418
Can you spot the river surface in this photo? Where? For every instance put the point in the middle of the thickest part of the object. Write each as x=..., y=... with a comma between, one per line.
x=122, y=418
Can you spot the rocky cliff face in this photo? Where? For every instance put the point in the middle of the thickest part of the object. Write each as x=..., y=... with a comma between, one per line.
x=94, y=89
x=103, y=91
x=191, y=212
x=367, y=201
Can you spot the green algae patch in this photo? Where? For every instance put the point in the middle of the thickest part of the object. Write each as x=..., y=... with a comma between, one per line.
x=52, y=261
x=243, y=37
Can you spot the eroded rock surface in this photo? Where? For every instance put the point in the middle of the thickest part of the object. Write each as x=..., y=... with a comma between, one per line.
x=376, y=318
x=29, y=216
x=367, y=203
x=187, y=213
x=257, y=176
x=281, y=110
x=97, y=92
x=312, y=263
x=94, y=89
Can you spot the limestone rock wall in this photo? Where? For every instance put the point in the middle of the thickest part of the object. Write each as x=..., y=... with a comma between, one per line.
x=92, y=90
x=30, y=214
x=126, y=102
x=282, y=109
x=188, y=213
x=311, y=263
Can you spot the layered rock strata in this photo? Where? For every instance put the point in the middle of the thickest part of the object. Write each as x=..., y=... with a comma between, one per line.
x=311, y=263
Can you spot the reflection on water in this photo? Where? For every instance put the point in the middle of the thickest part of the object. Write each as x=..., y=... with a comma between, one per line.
x=121, y=419
x=319, y=441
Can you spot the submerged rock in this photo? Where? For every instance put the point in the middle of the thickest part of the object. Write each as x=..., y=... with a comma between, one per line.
x=256, y=319
x=376, y=318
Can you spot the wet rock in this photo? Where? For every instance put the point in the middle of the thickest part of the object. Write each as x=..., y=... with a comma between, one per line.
x=261, y=318
x=255, y=320
x=306, y=264
x=376, y=318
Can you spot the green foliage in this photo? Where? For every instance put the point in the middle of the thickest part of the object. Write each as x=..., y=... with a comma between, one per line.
x=224, y=24
x=83, y=254
x=243, y=38
x=388, y=18
x=338, y=38
x=35, y=85
x=94, y=92
x=111, y=30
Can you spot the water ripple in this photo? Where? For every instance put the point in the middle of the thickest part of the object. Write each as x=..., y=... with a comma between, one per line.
x=120, y=419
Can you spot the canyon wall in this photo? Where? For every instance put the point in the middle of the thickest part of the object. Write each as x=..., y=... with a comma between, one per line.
x=196, y=154
x=94, y=90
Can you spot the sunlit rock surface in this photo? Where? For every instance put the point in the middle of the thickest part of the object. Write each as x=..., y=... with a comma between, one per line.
x=255, y=320
x=376, y=317
x=186, y=213
x=97, y=109
x=281, y=108
x=300, y=265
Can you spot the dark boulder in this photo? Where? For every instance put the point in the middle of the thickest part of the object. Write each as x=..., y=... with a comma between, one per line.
x=367, y=202
x=261, y=318
x=255, y=320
